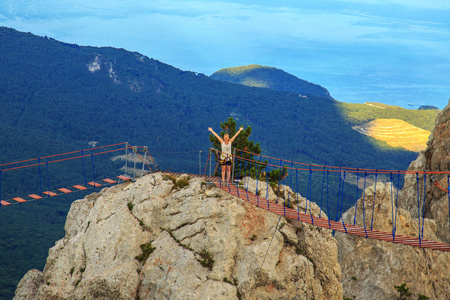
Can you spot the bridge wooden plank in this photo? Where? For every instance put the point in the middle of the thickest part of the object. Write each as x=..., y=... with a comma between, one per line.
x=124, y=178
x=94, y=184
x=109, y=181
x=34, y=196
x=6, y=203
x=64, y=190
x=80, y=187
x=20, y=200
x=50, y=193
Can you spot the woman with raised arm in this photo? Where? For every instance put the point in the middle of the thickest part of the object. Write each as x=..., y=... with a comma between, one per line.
x=225, y=155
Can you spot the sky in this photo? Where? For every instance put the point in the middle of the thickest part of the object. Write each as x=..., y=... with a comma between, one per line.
x=394, y=51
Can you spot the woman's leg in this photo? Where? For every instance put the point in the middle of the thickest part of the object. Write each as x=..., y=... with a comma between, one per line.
x=228, y=173
x=224, y=168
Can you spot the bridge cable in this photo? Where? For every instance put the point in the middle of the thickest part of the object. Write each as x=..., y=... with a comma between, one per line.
x=267, y=191
x=424, y=196
x=84, y=169
x=418, y=204
x=298, y=207
x=364, y=199
x=356, y=203
x=396, y=201
x=275, y=231
x=321, y=195
x=48, y=181
x=310, y=194
x=40, y=177
x=1, y=171
x=373, y=204
x=448, y=193
x=248, y=179
x=258, y=166
x=279, y=179
x=290, y=181
x=342, y=200
x=284, y=188
x=392, y=207
x=328, y=206
x=93, y=171
x=339, y=195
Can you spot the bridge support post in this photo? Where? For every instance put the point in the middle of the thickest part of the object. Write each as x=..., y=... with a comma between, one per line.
x=126, y=159
x=233, y=166
x=200, y=162
x=134, y=160
x=145, y=157
x=210, y=163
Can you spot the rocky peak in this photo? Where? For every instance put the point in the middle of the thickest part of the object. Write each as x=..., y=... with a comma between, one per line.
x=159, y=239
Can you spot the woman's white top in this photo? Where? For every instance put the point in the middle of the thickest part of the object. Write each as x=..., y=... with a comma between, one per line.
x=226, y=151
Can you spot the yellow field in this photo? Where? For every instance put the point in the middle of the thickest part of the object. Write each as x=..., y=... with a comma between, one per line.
x=396, y=133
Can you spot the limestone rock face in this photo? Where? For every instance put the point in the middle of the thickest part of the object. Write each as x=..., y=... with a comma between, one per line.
x=286, y=196
x=153, y=239
x=29, y=285
x=371, y=268
x=436, y=157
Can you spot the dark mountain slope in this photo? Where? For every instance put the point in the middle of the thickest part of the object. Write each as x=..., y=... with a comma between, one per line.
x=109, y=95
x=269, y=77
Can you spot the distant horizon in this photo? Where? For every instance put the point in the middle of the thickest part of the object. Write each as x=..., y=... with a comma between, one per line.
x=395, y=52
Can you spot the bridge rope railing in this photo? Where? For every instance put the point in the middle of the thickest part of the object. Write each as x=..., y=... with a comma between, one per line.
x=275, y=171
x=133, y=154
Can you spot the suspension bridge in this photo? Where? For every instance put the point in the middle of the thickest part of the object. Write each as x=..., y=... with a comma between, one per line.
x=327, y=186
x=87, y=166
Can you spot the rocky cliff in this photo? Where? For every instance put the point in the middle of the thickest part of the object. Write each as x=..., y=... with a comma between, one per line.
x=371, y=268
x=436, y=157
x=159, y=239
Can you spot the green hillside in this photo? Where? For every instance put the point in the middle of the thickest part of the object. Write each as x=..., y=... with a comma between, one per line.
x=359, y=114
x=56, y=97
x=269, y=77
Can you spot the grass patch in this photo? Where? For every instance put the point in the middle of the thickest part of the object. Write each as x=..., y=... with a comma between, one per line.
x=181, y=183
x=207, y=259
x=170, y=177
x=177, y=183
x=226, y=280
x=130, y=206
x=147, y=249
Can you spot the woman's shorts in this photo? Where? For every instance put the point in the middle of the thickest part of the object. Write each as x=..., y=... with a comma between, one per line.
x=226, y=163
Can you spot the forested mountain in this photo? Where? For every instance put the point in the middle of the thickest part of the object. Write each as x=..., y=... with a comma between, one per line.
x=55, y=97
x=269, y=77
